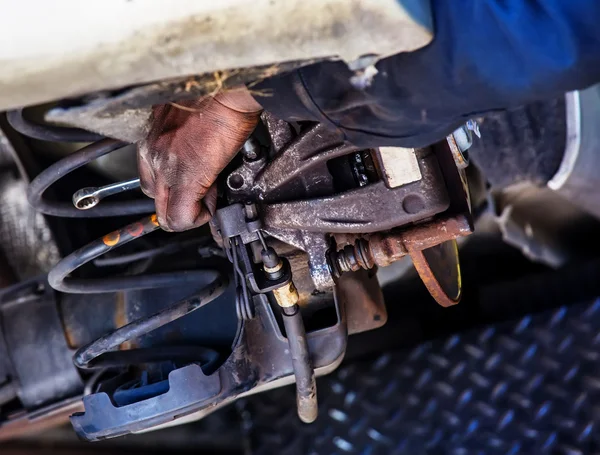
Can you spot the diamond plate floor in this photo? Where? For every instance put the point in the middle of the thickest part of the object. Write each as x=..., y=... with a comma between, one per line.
x=527, y=387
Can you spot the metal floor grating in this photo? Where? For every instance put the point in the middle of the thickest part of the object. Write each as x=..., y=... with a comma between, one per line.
x=527, y=387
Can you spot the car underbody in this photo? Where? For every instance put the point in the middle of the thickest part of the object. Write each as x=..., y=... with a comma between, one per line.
x=315, y=244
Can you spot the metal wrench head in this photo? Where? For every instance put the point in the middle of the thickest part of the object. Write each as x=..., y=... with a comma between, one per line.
x=86, y=198
x=89, y=197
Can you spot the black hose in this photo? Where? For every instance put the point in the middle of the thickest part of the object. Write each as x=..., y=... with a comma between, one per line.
x=68, y=164
x=48, y=132
x=135, y=257
x=306, y=384
x=58, y=276
x=150, y=253
x=86, y=355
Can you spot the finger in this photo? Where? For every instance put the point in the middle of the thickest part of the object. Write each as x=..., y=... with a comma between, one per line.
x=185, y=207
x=146, y=173
x=161, y=201
x=208, y=207
x=210, y=200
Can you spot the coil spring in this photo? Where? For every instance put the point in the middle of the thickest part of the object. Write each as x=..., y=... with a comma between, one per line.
x=100, y=354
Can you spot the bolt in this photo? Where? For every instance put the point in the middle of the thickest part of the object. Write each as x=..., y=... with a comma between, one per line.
x=463, y=138
x=251, y=149
x=472, y=125
x=352, y=258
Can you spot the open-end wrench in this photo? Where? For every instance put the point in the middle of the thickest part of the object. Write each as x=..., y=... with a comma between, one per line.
x=86, y=198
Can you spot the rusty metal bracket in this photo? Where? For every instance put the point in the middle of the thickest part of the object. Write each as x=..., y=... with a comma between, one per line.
x=371, y=208
x=432, y=246
x=303, y=158
x=312, y=205
x=439, y=269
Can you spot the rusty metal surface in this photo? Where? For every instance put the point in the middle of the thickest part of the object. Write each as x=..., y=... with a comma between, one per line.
x=301, y=205
x=384, y=249
x=359, y=292
x=280, y=131
x=363, y=301
x=314, y=244
x=440, y=272
x=367, y=209
x=298, y=170
x=434, y=233
x=434, y=252
x=287, y=295
x=459, y=158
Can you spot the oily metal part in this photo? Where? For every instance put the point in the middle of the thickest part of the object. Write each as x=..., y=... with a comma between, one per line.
x=299, y=168
x=371, y=208
x=363, y=301
x=385, y=249
x=432, y=246
x=438, y=265
x=359, y=292
x=306, y=384
x=315, y=244
x=280, y=131
x=302, y=211
x=287, y=295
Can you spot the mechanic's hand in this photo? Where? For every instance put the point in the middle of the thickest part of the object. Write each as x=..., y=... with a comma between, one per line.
x=188, y=145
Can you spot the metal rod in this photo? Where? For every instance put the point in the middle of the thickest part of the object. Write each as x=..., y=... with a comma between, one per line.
x=262, y=240
x=306, y=384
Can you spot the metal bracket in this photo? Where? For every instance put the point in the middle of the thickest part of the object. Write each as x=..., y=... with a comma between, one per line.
x=259, y=358
x=371, y=208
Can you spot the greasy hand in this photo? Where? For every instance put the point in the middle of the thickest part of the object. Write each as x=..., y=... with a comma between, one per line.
x=186, y=149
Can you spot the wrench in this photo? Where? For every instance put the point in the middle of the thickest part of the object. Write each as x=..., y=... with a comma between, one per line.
x=86, y=198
